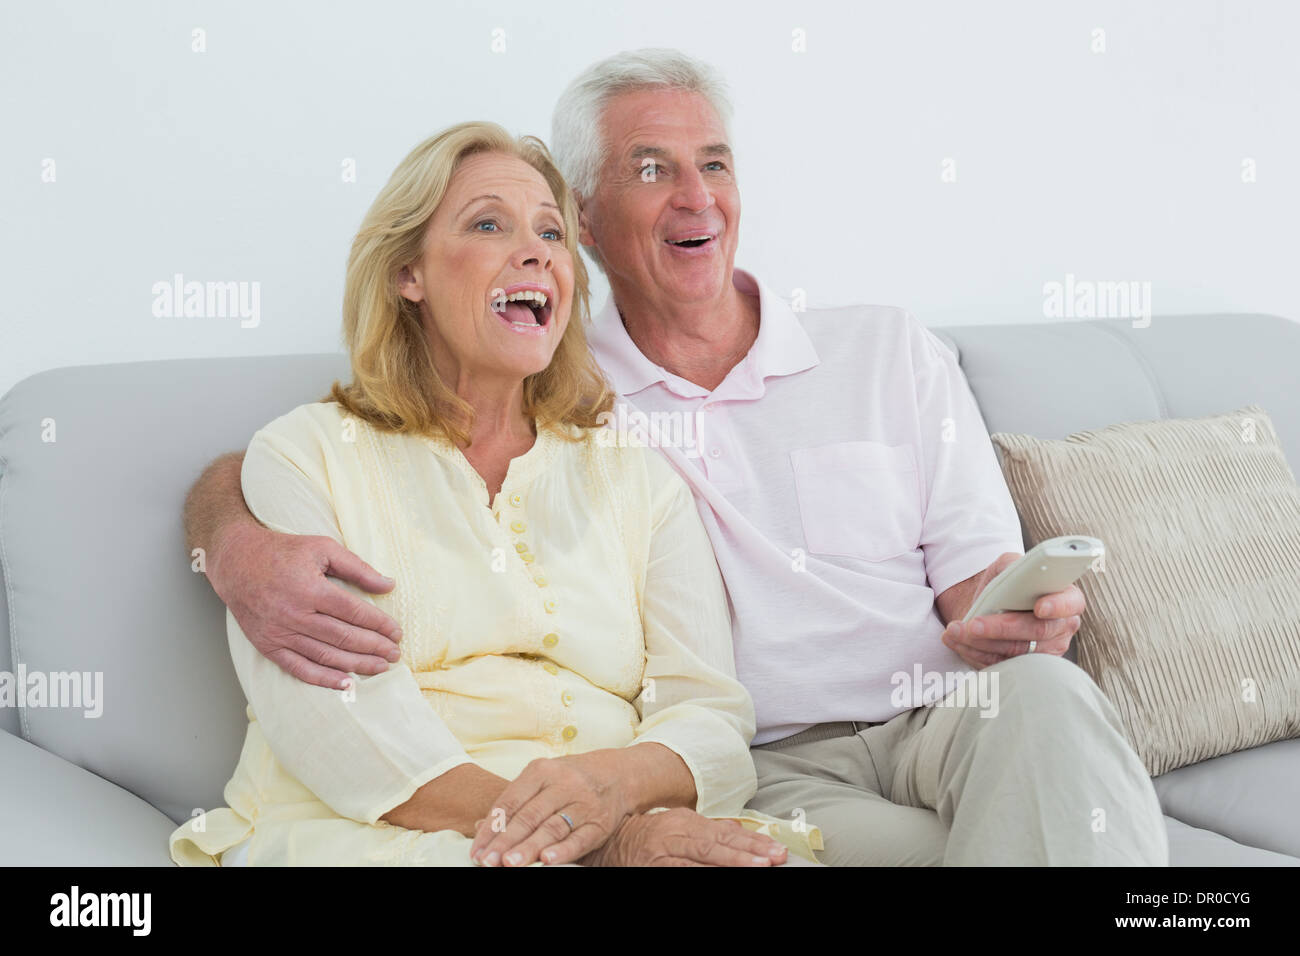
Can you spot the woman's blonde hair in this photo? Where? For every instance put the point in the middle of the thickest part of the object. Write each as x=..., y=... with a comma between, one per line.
x=395, y=385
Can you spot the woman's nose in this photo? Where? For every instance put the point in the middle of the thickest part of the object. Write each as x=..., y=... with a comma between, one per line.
x=533, y=251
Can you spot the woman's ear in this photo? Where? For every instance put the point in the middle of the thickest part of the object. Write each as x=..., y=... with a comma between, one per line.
x=409, y=284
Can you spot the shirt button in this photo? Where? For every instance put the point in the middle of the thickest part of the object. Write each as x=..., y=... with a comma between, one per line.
x=528, y=557
x=540, y=581
x=715, y=452
x=567, y=699
x=516, y=500
x=550, y=607
x=550, y=668
x=570, y=732
x=521, y=547
x=517, y=527
x=550, y=640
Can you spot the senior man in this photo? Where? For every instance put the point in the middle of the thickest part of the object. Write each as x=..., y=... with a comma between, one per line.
x=853, y=500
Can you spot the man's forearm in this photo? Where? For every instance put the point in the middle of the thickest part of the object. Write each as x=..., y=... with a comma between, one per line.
x=215, y=503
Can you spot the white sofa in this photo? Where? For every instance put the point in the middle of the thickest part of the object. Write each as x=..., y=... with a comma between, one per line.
x=95, y=576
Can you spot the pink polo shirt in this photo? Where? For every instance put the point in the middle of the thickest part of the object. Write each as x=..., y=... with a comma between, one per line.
x=845, y=477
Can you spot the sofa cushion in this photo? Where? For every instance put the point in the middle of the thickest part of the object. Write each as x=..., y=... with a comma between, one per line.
x=1193, y=622
x=53, y=813
x=1191, y=846
x=1251, y=796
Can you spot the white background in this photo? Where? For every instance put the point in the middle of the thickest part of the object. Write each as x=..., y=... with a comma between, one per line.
x=225, y=165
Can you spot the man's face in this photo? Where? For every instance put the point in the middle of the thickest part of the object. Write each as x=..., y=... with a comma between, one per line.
x=665, y=216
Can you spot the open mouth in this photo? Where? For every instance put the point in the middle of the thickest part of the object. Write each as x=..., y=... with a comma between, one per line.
x=526, y=310
x=693, y=241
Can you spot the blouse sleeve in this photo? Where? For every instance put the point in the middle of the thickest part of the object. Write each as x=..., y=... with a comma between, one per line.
x=691, y=701
x=362, y=752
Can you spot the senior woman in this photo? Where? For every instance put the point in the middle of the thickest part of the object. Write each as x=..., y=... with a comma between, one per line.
x=566, y=670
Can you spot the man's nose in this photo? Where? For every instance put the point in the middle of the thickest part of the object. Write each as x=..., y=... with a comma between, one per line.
x=692, y=192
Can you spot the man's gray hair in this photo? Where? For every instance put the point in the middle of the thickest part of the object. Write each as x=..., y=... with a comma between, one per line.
x=577, y=130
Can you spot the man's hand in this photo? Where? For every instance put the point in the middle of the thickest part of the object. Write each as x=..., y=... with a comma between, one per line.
x=275, y=585
x=991, y=638
x=681, y=837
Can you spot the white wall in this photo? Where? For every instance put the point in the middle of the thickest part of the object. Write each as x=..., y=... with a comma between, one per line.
x=225, y=165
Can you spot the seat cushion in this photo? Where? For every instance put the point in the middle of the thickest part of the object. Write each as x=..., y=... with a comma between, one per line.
x=53, y=813
x=1190, y=846
x=1251, y=796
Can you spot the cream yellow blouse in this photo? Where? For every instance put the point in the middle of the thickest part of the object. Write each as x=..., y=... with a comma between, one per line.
x=582, y=608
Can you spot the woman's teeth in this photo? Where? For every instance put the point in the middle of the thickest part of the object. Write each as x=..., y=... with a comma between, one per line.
x=528, y=308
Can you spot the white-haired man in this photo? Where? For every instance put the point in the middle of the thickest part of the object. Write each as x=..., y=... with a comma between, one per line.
x=851, y=493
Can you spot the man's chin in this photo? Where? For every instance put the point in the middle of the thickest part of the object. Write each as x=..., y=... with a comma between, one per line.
x=694, y=280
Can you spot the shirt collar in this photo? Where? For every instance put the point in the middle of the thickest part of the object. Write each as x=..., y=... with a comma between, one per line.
x=782, y=348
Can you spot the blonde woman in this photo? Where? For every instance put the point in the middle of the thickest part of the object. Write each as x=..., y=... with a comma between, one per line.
x=566, y=669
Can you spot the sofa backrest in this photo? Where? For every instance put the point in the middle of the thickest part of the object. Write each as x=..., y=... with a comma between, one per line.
x=1053, y=379
x=96, y=577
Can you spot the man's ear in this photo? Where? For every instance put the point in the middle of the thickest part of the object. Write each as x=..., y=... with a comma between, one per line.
x=409, y=285
x=584, y=224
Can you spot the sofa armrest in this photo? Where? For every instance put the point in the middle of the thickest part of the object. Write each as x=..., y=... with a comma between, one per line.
x=54, y=813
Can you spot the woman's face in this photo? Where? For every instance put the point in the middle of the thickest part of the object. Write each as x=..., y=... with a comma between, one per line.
x=495, y=278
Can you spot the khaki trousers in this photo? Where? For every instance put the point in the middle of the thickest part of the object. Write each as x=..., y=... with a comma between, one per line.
x=1048, y=780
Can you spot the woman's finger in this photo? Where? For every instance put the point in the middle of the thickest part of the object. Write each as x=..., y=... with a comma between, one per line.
x=522, y=789
x=545, y=841
x=520, y=825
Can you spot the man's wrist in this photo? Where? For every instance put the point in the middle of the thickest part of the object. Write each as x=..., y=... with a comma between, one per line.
x=229, y=540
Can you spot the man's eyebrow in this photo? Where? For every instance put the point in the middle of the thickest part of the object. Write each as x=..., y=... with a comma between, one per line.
x=498, y=198
x=713, y=149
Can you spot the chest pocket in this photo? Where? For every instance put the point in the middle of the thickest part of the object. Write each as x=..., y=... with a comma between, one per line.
x=858, y=499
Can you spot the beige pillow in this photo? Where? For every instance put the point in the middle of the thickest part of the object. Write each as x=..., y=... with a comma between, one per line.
x=1192, y=627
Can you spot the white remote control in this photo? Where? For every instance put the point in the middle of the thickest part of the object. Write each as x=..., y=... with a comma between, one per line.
x=1050, y=566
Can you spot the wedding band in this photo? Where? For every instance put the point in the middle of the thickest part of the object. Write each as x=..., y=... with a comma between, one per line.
x=1033, y=646
x=567, y=819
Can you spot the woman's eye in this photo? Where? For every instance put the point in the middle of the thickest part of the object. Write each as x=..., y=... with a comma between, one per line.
x=486, y=222
x=555, y=234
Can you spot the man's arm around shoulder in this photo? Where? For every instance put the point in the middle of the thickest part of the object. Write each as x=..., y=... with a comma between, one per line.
x=276, y=586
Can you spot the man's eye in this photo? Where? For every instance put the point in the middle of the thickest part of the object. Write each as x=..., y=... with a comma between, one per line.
x=717, y=164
